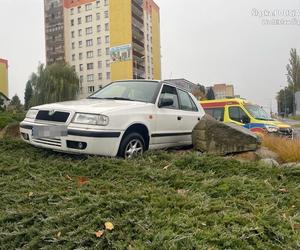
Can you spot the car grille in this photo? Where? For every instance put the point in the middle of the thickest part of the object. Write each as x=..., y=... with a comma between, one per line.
x=48, y=141
x=57, y=116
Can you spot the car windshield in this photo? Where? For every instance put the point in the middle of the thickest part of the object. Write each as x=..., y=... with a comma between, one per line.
x=258, y=113
x=140, y=91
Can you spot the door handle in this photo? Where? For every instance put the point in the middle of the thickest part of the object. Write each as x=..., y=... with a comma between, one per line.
x=179, y=118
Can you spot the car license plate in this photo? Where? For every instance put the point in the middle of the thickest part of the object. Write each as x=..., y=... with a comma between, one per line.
x=49, y=131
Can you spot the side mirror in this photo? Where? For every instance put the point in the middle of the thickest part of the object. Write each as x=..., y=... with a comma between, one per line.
x=166, y=103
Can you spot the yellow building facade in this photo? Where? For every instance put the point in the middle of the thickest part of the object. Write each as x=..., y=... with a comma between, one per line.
x=4, y=76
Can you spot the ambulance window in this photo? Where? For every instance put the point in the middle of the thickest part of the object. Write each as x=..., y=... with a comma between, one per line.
x=238, y=115
x=217, y=113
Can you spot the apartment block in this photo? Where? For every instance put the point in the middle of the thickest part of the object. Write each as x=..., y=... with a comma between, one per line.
x=223, y=90
x=104, y=40
x=4, y=77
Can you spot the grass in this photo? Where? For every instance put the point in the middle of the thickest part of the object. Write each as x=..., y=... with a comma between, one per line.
x=288, y=150
x=7, y=118
x=164, y=200
x=297, y=118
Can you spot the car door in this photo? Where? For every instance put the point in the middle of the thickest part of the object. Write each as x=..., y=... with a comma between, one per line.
x=189, y=114
x=167, y=118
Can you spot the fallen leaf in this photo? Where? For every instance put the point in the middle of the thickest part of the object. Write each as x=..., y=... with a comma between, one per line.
x=30, y=194
x=283, y=190
x=182, y=191
x=167, y=167
x=69, y=178
x=109, y=226
x=297, y=226
x=82, y=180
x=284, y=215
x=99, y=233
x=58, y=234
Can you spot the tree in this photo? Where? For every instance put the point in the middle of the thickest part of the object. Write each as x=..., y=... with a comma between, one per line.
x=199, y=92
x=293, y=74
x=28, y=95
x=2, y=108
x=55, y=83
x=210, y=95
x=15, y=103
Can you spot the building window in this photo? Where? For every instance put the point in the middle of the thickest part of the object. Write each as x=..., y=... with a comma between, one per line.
x=72, y=22
x=98, y=40
x=81, y=79
x=99, y=52
x=72, y=34
x=80, y=32
x=89, y=30
x=89, y=54
x=99, y=64
x=79, y=20
x=78, y=9
x=107, y=63
x=88, y=6
x=80, y=44
x=73, y=45
x=106, y=14
x=91, y=89
x=105, y=2
x=106, y=27
x=73, y=57
x=90, y=78
x=100, y=76
x=98, y=28
x=107, y=51
x=89, y=43
x=88, y=18
x=107, y=39
x=98, y=4
x=72, y=11
x=98, y=16
x=90, y=66
x=80, y=67
x=80, y=56
x=108, y=75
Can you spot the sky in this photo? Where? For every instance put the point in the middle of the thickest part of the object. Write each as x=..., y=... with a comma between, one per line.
x=206, y=42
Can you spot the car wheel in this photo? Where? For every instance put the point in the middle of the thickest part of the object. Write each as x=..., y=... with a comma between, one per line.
x=131, y=146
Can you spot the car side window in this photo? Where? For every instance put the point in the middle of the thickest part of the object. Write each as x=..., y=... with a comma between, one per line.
x=217, y=113
x=169, y=92
x=238, y=115
x=186, y=102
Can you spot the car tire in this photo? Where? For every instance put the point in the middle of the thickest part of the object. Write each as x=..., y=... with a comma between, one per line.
x=132, y=145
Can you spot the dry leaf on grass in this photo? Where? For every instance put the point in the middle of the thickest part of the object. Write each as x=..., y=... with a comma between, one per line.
x=69, y=178
x=167, y=167
x=297, y=226
x=109, y=226
x=182, y=191
x=58, y=234
x=283, y=190
x=99, y=233
x=82, y=180
x=30, y=194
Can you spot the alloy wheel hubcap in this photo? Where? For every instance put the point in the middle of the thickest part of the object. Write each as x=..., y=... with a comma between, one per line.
x=133, y=148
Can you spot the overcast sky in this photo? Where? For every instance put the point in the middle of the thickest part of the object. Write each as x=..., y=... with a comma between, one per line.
x=207, y=42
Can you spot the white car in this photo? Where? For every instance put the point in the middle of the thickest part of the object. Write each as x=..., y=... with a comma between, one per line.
x=123, y=119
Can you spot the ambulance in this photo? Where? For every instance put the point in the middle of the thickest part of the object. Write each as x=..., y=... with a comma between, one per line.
x=246, y=114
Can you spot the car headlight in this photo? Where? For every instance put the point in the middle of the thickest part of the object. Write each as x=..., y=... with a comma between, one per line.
x=32, y=113
x=91, y=119
x=271, y=128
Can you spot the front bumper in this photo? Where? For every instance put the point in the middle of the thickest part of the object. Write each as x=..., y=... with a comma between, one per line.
x=77, y=140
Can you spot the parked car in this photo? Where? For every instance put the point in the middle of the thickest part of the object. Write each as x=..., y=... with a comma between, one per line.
x=123, y=119
x=246, y=114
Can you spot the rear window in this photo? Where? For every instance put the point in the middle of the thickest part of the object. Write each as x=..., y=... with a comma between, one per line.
x=217, y=113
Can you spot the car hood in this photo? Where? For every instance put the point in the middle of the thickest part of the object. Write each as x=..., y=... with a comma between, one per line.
x=94, y=106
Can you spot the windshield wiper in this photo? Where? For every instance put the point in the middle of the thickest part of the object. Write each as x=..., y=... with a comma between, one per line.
x=118, y=99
